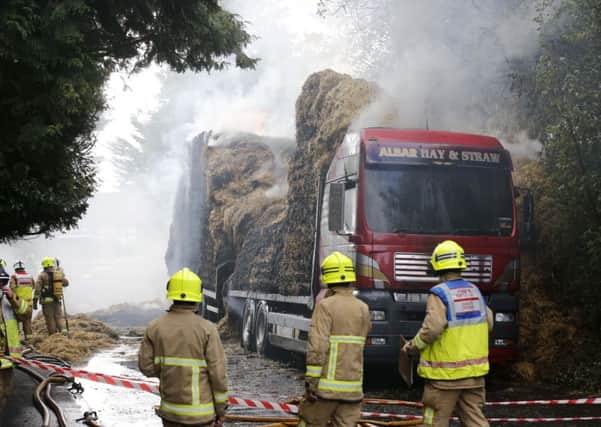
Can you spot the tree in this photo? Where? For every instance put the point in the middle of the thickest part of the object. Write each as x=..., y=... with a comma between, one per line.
x=562, y=105
x=55, y=57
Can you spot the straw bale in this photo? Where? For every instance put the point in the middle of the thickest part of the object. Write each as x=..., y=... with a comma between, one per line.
x=86, y=336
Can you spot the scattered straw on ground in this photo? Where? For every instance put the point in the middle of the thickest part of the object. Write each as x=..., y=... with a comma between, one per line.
x=86, y=337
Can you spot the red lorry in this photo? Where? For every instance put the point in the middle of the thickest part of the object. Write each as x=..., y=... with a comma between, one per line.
x=388, y=197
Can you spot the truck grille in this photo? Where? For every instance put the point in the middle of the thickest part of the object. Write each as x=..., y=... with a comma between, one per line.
x=413, y=267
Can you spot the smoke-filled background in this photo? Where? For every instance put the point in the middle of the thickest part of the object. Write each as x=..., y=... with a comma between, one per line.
x=441, y=64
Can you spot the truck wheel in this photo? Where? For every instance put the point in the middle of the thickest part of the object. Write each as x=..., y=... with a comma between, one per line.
x=262, y=329
x=247, y=332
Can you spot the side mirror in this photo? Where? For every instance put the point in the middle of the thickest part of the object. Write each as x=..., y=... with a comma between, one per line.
x=336, y=207
x=528, y=233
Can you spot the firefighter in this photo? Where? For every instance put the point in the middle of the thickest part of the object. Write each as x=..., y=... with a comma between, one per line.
x=21, y=282
x=10, y=341
x=339, y=326
x=453, y=343
x=49, y=292
x=185, y=352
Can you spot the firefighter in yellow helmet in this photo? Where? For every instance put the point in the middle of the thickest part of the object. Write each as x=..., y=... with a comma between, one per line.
x=49, y=292
x=453, y=343
x=339, y=327
x=185, y=352
x=21, y=282
x=10, y=342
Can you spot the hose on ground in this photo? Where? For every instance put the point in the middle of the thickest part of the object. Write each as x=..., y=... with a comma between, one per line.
x=47, y=386
x=39, y=403
x=44, y=386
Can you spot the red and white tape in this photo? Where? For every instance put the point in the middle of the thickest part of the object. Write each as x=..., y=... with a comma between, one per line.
x=129, y=383
x=262, y=404
x=584, y=401
x=136, y=384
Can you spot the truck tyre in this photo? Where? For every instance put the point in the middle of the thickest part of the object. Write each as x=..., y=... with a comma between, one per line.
x=262, y=329
x=247, y=330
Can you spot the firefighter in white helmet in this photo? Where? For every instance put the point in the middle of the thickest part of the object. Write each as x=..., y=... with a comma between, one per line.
x=339, y=327
x=453, y=343
x=21, y=282
x=185, y=352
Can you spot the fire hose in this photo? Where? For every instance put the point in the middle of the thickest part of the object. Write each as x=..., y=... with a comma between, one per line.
x=44, y=386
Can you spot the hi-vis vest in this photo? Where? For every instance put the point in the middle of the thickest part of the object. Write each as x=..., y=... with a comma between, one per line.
x=24, y=286
x=9, y=332
x=462, y=349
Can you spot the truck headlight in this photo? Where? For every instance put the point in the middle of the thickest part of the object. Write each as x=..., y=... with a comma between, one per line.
x=377, y=315
x=376, y=340
x=504, y=317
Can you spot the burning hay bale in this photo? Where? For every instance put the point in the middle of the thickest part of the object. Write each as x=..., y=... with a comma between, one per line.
x=328, y=104
x=85, y=338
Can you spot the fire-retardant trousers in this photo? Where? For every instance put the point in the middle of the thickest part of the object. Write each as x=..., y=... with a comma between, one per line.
x=53, y=314
x=322, y=411
x=25, y=320
x=6, y=381
x=440, y=403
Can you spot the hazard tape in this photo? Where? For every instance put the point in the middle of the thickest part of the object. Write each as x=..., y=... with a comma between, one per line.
x=113, y=380
x=583, y=401
x=137, y=384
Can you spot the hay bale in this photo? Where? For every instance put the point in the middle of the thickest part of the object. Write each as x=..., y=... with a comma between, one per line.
x=328, y=104
x=86, y=336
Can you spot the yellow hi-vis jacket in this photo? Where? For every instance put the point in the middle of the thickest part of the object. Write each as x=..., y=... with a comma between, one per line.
x=10, y=341
x=339, y=326
x=185, y=352
x=22, y=283
x=461, y=351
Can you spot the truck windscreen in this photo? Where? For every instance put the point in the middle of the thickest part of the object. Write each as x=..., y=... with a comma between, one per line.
x=438, y=200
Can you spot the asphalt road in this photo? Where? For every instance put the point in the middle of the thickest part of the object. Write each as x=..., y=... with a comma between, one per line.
x=21, y=410
x=255, y=377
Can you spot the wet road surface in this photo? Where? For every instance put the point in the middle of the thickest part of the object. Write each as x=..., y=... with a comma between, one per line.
x=277, y=380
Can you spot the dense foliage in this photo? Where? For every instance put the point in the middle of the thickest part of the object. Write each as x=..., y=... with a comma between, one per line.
x=562, y=105
x=54, y=60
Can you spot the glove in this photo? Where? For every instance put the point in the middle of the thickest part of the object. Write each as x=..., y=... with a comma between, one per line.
x=410, y=348
x=218, y=421
x=35, y=304
x=310, y=396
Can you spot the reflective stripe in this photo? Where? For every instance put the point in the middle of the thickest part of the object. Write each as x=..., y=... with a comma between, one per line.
x=188, y=410
x=313, y=371
x=419, y=343
x=343, y=386
x=220, y=397
x=347, y=339
x=428, y=415
x=195, y=385
x=23, y=306
x=454, y=365
x=47, y=299
x=5, y=364
x=180, y=361
x=332, y=361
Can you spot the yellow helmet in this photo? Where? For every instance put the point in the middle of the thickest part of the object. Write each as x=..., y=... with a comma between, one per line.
x=48, y=262
x=184, y=286
x=337, y=268
x=448, y=255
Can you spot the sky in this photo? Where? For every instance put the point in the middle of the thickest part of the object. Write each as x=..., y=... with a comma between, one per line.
x=436, y=61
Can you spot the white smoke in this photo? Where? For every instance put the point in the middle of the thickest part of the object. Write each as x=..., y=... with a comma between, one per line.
x=441, y=62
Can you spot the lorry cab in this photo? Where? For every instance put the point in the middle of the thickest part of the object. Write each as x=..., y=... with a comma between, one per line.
x=391, y=195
